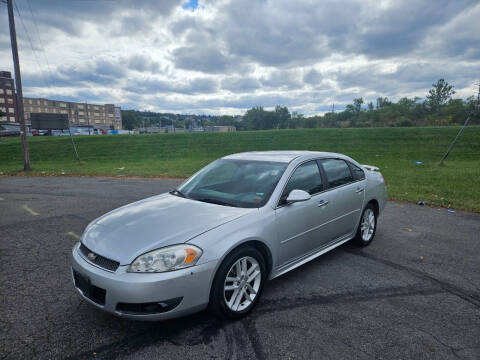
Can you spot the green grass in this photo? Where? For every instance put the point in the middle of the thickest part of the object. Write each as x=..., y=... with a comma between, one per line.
x=394, y=150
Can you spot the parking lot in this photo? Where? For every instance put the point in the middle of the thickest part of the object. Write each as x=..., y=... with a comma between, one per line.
x=414, y=293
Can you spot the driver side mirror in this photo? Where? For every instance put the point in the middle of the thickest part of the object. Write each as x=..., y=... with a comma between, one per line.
x=298, y=196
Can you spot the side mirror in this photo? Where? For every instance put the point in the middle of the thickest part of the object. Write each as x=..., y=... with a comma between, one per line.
x=297, y=196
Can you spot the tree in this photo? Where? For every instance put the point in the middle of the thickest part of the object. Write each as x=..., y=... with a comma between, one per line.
x=472, y=107
x=383, y=102
x=310, y=123
x=256, y=118
x=353, y=111
x=297, y=120
x=439, y=95
x=283, y=116
x=357, y=105
x=227, y=120
x=130, y=119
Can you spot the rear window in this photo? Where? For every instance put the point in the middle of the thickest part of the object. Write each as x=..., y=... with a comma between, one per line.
x=357, y=173
x=337, y=171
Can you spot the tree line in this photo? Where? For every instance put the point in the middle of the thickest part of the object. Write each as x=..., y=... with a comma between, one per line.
x=437, y=109
x=134, y=119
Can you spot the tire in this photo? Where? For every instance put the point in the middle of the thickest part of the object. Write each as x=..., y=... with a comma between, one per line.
x=247, y=296
x=364, y=238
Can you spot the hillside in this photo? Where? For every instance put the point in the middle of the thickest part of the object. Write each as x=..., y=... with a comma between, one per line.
x=394, y=150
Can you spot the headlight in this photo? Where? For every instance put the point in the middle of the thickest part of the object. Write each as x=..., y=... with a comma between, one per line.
x=166, y=259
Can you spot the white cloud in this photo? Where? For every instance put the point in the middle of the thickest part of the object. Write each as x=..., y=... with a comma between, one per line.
x=226, y=56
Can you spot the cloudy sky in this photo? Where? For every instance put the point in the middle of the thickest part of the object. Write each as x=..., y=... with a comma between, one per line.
x=223, y=57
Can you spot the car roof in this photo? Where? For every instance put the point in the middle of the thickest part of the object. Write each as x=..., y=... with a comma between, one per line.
x=285, y=156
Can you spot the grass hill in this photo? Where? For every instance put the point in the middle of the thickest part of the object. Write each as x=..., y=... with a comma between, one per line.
x=394, y=150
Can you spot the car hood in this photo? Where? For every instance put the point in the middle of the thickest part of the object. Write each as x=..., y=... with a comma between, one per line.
x=149, y=224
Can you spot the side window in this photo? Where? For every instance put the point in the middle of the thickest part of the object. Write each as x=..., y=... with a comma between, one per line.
x=306, y=177
x=337, y=171
x=357, y=173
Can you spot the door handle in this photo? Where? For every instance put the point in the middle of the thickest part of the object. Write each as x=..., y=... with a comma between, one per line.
x=322, y=203
x=359, y=190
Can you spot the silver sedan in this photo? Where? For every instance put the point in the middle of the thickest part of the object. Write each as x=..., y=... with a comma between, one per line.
x=215, y=240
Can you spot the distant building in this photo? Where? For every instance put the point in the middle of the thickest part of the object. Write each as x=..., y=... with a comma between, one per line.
x=107, y=116
x=8, y=103
x=220, y=128
x=151, y=130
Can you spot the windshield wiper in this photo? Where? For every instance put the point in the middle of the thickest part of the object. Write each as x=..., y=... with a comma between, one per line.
x=178, y=193
x=216, y=201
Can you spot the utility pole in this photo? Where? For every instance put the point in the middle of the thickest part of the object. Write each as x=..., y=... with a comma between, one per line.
x=18, y=84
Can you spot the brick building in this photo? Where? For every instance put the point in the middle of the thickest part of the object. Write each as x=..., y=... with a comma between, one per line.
x=7, y=98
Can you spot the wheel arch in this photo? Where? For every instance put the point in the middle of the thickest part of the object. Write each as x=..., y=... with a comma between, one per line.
x=264, y=250
x=376, y=207
x=261, y=246
x=375, y=204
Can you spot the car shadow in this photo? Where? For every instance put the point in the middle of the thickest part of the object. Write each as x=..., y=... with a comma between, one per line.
x=200, y=328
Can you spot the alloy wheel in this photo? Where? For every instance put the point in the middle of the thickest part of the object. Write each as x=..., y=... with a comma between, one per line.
x=368, y=225
x=242, y=283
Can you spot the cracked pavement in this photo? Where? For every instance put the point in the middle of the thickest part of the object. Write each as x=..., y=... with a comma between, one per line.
x=413, y=294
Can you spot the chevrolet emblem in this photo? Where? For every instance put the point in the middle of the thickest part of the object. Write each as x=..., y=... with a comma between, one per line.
x=91, y=256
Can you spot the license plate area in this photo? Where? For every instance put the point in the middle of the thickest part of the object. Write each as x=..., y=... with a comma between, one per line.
x=90, y=291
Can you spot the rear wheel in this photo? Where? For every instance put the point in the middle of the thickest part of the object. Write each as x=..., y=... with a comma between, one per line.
x=367, y=227
x=238, y=283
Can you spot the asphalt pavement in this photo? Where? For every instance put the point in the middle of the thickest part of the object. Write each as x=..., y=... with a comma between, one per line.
x=413, y=294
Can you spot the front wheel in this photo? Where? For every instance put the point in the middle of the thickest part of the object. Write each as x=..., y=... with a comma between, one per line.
x=367, y=227
x=238, y=283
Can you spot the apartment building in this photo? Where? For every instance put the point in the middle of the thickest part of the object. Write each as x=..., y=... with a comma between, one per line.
x=7, y=98
x=107, y=116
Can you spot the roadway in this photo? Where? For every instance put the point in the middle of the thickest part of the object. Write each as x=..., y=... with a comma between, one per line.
x=413, y=294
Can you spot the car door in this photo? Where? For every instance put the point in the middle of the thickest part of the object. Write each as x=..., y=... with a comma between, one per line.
x=347, y=190
x=299, y=224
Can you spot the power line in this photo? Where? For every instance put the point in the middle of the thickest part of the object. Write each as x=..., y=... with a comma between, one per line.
x=41, y=43
x=476, y=109
x=31, y=44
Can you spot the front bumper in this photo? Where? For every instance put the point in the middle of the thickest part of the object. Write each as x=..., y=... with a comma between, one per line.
x=190, y=286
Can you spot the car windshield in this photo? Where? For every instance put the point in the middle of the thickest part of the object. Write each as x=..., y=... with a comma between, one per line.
x=238, y=183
